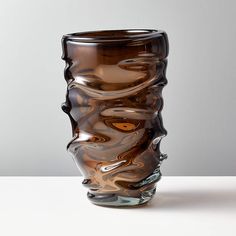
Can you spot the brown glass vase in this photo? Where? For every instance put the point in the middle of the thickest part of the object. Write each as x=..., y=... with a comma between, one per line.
x=114, y=85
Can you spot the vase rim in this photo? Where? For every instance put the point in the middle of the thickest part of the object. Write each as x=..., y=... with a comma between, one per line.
x=113, y=35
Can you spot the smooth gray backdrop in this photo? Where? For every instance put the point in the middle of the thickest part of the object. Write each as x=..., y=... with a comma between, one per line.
x=200, y=99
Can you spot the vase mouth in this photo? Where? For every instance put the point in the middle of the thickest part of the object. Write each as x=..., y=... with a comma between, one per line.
x=113, y=35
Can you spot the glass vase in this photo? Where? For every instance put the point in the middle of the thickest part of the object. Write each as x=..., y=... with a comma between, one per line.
x=114, y=101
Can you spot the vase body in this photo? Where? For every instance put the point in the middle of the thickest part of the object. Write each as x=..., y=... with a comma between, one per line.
x=114, y=101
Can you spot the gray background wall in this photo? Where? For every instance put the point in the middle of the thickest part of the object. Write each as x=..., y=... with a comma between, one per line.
x=200, y=98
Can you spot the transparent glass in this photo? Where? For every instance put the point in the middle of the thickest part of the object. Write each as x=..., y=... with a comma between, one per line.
x=114, y=101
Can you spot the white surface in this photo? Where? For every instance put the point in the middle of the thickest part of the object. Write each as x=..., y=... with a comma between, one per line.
x=58, y=206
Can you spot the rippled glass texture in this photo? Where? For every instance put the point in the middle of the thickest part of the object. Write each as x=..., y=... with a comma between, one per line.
x=114, y=101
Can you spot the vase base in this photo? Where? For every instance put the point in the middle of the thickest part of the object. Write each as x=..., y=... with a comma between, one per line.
x=113, y=200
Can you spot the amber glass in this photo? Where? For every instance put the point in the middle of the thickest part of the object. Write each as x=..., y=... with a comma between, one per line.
x=114, y=101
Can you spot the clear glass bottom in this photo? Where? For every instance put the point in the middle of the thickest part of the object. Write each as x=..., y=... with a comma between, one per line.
x=114, y=200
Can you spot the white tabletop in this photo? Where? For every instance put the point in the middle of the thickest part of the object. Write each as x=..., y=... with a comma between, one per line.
x=58, y=206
